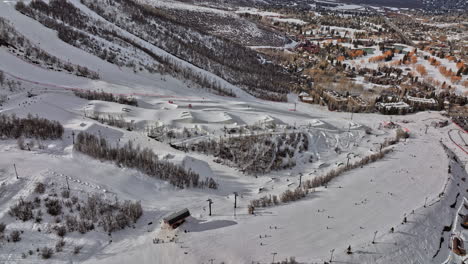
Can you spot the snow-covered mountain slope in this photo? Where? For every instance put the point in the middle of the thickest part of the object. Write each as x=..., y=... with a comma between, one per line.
x=348, y=212
x=178, y=112
x=220, y=19
x=148, y=39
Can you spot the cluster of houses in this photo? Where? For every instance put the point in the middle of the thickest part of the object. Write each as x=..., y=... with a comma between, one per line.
x=393, y=104
x=387, y=104
x=336, y=101
x=366, y=36
x=307, y=46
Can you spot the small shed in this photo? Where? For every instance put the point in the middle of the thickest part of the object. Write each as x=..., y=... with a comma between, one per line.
x=177, y=218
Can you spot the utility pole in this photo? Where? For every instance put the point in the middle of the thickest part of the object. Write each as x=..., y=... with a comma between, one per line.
x=235, y=203
x=331, y=255
x=274, y=254
x=14, y=165
x=375, y=234
x=209, y=204
x=235, y=199
x=66, y=178
x=300, y=179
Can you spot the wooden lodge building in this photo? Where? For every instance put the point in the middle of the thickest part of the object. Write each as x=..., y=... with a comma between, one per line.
x=176, y=219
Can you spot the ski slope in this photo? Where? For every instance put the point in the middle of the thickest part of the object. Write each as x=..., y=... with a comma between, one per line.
x=352, y=209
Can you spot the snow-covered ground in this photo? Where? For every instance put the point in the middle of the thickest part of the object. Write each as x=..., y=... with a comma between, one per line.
x=348, y=212
x=273, y=15
x=352, y=209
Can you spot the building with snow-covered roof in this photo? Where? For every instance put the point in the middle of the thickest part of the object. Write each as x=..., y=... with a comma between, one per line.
x=421, y=100
x=398, y=105
x=307, y=99
x=177, y=218
x=394, y=108
x=421, y=103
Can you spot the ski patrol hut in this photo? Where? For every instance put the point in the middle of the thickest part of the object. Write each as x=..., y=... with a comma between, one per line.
x=176, y=219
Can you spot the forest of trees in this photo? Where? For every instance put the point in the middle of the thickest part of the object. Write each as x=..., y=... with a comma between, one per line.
x=81, y=215
x=29, y=127
x=255, y=153
x=28, y=51
x=103, y=96
x=71, y=25
x=111, y=120
x=167, y=133
x=231, y=61
x=143, y=160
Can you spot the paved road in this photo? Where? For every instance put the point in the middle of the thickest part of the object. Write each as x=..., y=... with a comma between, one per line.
x=455, y=142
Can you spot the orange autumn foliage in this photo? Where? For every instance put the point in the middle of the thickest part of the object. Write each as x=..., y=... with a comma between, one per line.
x=421, y=69
x=446, y=73
x=355, y=53
x=455, y=79
x=465, y=83
x=450, y=58
x=377, y=58
x=434, y=62
x=396, y=63
x=381, y=57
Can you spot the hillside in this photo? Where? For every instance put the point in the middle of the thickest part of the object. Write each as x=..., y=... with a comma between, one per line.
x=115, y=115
x=391, y=3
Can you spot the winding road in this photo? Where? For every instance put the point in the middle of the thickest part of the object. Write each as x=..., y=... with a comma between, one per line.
x=460, y=145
